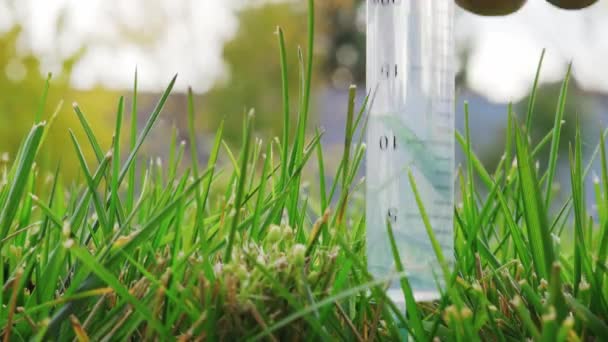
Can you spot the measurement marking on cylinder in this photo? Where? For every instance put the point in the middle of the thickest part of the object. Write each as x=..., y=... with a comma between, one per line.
x=442, y=202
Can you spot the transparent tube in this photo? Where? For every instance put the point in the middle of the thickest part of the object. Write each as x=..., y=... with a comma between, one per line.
x=410, y=75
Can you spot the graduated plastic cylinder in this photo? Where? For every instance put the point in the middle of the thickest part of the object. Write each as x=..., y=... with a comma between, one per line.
x=410, y=75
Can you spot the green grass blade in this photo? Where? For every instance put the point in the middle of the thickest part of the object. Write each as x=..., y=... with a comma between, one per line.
x=603, y=246
x=346, y=154
x=322, y=186
x=509, y=142
x=291, y=300
x=241, y=185
x=116, y=164
x=526, y=319
x=590, y=320
x=286, y=114
x=555, y=141
x=132, y=142
x=107, y=277
x=99, y=208
x=532, y=100
x=320, y=304
x=261, y=192
x=211, y=167
x=192, y=135
x=470, y=176
x=410, y=301
x=309, y=64
x=578, y=200
x=146, y=130
x=441, y=259
x=539, y=236
x=19, y=183
x=42, y=103
x=89, y=133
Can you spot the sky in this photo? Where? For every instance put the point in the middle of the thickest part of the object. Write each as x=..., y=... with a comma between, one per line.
x=506, y=50
x=187, y=37
x=184, y=37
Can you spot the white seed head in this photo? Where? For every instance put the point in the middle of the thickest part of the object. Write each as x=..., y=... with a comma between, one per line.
x=287, y=232
x=569, y=322
x=543, y=284
x=551, y=315
x=516, y=301
x=298, y=253
x=556, y=239
x=69, y=243
x=451, y=310
x=66, y=230
x=281, y=262
x=313, y=277
x=274, y=233
x=16, y=251
x=285, y=217
x=218, y=268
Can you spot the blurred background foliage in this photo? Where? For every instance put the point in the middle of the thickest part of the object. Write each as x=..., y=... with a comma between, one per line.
x=254, y=77
x=252, y=80
x=21, y=87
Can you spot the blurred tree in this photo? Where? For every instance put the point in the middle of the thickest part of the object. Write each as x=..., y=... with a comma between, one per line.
x=254, y=73
x=21, y=85
x=577, y=108
x=344, y=28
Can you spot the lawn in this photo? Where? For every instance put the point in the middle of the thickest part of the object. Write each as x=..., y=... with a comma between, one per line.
x=237, y=250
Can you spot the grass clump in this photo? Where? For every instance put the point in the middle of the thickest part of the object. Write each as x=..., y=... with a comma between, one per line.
x=142, y=251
